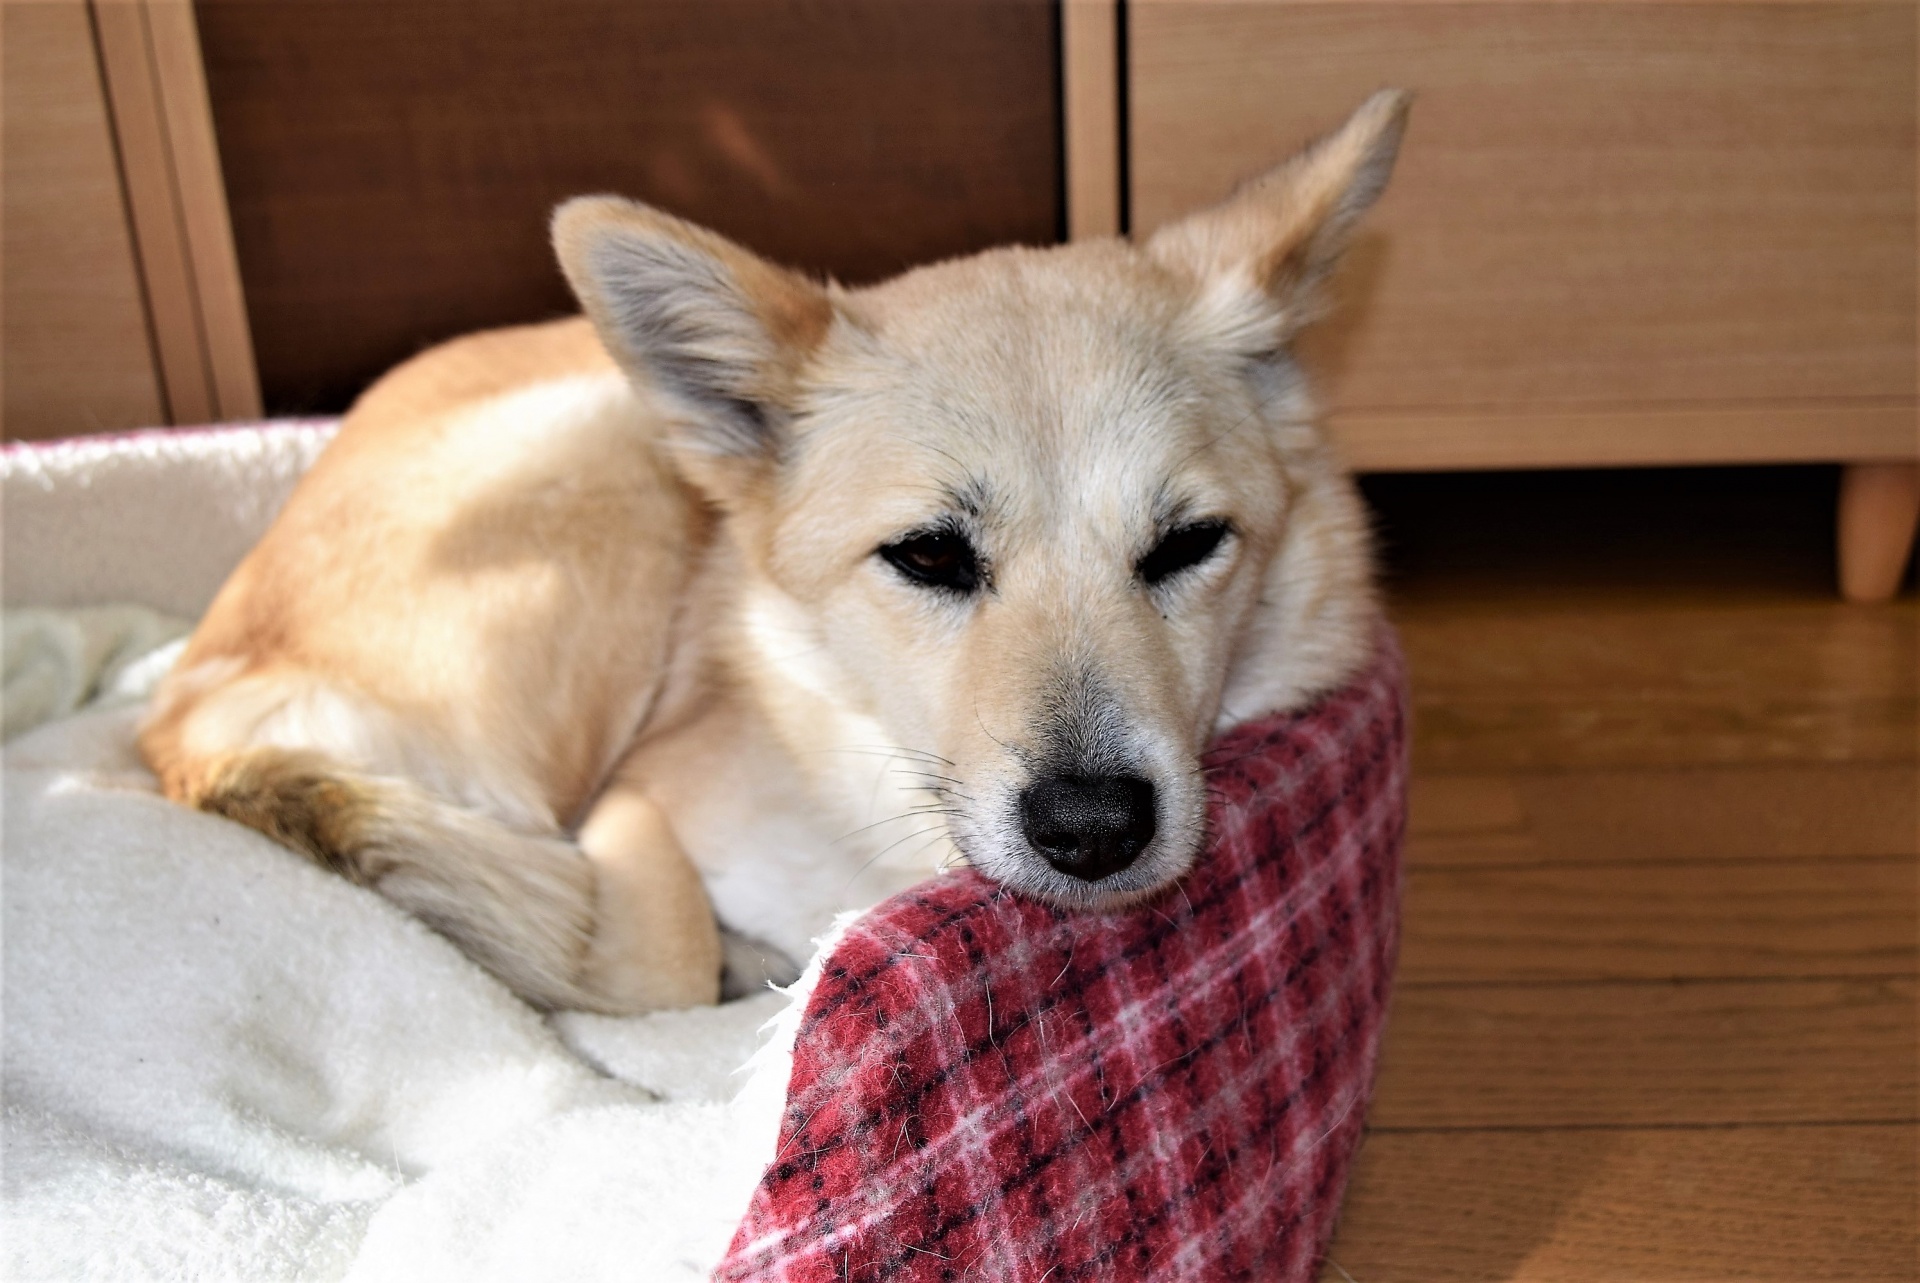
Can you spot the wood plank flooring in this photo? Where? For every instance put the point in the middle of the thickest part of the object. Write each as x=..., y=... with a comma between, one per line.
x=1656, y=1014
x=1640, y=921
x=1605, y=1205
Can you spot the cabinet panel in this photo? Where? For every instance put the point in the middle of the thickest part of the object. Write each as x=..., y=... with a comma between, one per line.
x=390, y=166
x=76, y=349
x=1598, y=205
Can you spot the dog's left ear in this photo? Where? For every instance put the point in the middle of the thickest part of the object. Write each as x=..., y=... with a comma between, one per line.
x=719, y=331
x=1260, y=256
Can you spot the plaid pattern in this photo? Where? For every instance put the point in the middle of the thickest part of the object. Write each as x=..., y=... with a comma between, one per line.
x=987, y=1088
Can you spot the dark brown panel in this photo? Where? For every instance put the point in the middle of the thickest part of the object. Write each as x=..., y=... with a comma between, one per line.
x=390, y=163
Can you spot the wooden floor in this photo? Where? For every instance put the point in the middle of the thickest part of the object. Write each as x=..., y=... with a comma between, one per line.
x=1656, y=1010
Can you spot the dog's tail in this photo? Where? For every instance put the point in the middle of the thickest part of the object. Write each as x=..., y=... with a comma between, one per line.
x=520, y=904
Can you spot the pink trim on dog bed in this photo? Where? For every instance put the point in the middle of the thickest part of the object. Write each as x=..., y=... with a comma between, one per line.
x=987, y=1088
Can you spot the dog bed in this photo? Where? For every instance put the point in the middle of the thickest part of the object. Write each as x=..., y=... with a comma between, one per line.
x=221, y=1062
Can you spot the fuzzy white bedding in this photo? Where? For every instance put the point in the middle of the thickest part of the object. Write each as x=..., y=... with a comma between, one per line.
x=223, y=1063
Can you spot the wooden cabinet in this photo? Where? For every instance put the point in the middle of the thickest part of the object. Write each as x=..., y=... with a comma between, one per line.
x=391, y=165
x=123, y=306
x=1620, y=233
x=1623, y=231
x=78, y=357
x=330, y=186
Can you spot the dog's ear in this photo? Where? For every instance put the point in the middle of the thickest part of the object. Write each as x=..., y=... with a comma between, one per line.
x=1259, y=256
x=719, y=331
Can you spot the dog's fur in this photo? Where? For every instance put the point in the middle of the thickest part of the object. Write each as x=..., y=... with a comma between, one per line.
x=580, y=633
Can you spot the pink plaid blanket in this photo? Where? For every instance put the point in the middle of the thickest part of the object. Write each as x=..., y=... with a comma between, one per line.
x=988, y=1088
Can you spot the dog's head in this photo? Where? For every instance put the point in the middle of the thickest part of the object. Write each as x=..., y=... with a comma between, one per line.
x=1033, y=523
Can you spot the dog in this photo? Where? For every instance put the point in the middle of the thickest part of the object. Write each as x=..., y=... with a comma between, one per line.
x=746, y=598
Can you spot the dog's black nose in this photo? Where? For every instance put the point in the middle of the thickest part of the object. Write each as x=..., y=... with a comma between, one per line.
x=1089, y=826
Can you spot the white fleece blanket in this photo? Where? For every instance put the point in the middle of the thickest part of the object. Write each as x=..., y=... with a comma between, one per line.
x=223, y=1063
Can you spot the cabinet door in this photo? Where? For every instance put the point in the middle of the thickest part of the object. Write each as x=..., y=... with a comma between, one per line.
x=391, y=166
x=1620, y=232
x=77, y=353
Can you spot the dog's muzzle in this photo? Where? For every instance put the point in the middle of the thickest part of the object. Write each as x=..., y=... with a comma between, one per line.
x=1089, y=826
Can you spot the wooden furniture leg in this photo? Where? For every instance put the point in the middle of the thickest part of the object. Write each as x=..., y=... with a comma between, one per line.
x=1879, y=508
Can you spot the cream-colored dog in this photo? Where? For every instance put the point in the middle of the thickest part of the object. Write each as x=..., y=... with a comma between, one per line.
x=754, y=598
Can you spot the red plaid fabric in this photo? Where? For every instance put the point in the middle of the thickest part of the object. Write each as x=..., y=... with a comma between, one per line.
x=987, y=1088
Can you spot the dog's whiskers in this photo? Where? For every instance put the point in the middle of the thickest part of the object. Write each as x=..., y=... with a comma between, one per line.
x=944, y=862
x=926, y=775
x=891, y=750
x=927, y=808
x=1016, y=753
x=943, y=790
x=932, y=829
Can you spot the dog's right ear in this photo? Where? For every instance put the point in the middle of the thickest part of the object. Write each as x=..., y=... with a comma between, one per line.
x=719, y=331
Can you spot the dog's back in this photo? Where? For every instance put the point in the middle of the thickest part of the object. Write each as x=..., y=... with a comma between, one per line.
x=425, y=670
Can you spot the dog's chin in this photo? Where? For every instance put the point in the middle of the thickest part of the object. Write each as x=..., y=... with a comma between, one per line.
x=1026, y=872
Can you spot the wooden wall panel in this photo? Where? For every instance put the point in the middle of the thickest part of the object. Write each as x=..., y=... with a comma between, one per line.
x=1598, y=204
x=177, y=203
x=76, y=352
x=1090, y=103
x=390, y=165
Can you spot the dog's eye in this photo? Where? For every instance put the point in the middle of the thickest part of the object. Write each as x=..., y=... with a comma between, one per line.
x=1181, y=549
x=938, y=559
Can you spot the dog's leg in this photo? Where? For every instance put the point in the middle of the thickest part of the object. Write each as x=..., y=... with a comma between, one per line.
x=655, y=943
